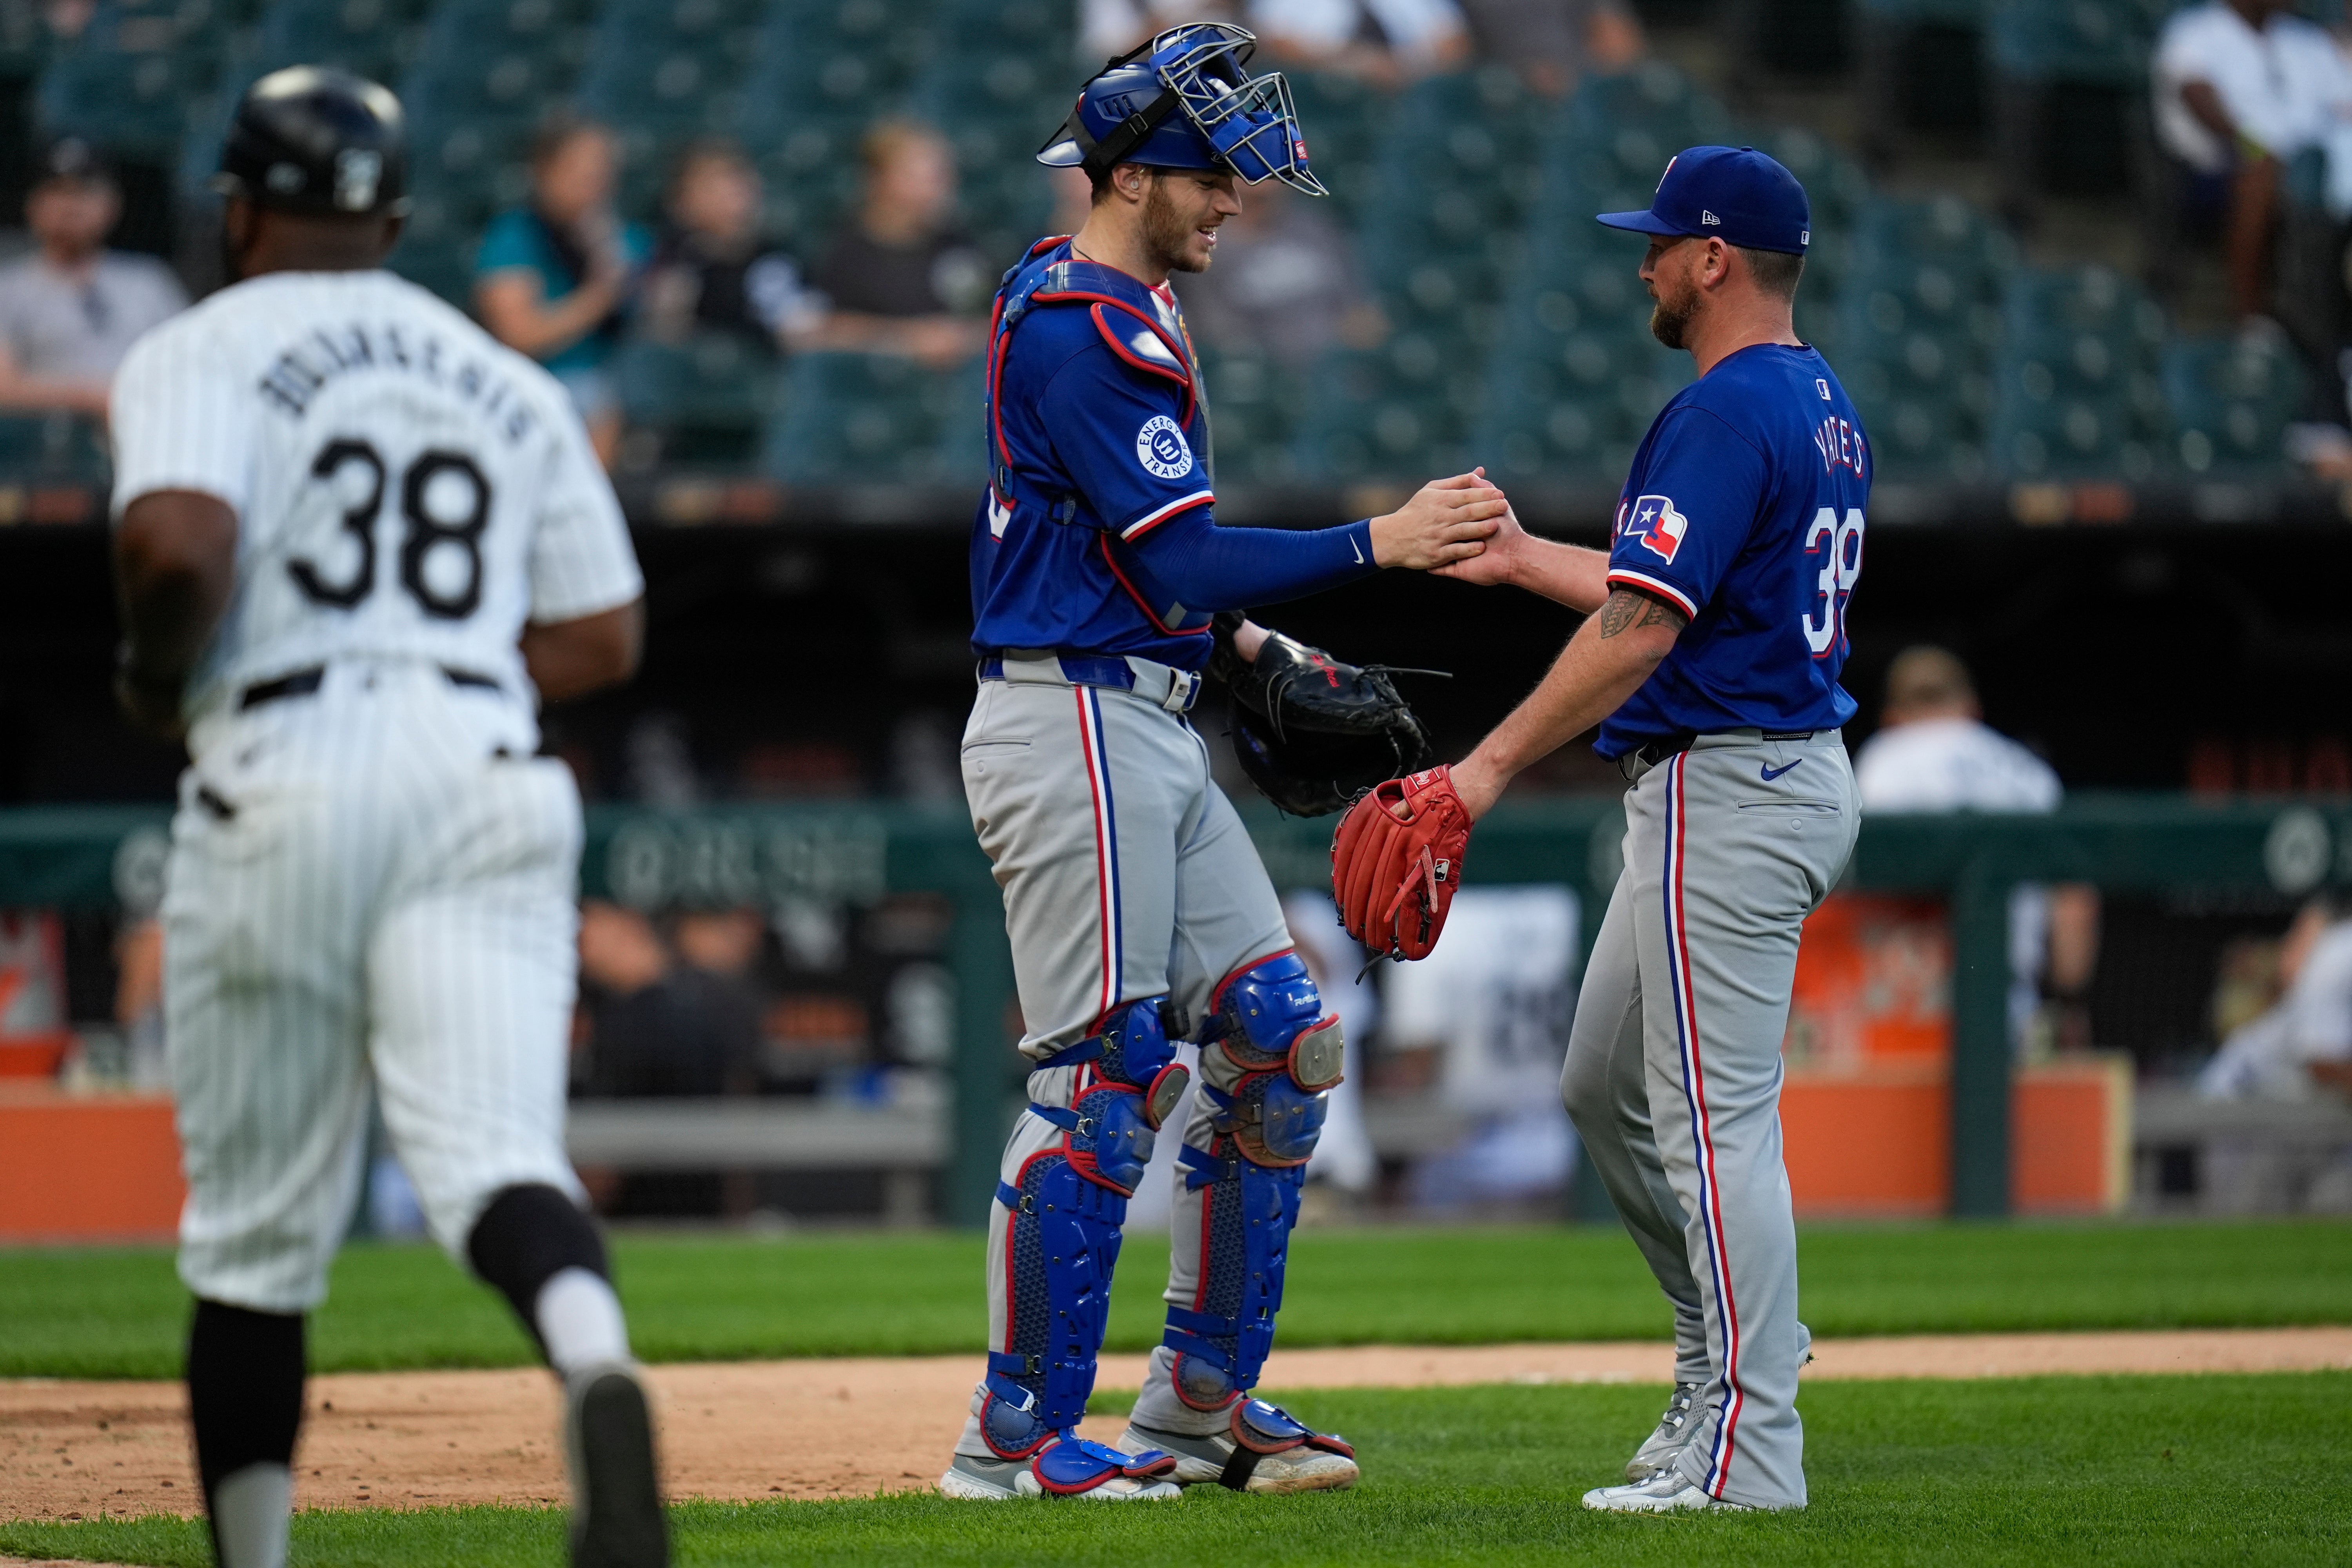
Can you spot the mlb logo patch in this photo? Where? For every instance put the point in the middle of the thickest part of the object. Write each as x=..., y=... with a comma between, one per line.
x=1658, y=525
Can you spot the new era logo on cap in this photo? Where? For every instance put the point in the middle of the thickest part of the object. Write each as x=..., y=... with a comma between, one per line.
x=1737, y=195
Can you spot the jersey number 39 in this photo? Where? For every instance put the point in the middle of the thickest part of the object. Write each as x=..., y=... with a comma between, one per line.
x=425, y=530
x=1839, y=543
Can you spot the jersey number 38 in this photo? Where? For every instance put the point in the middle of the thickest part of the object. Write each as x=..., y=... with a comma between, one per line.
x=442, y=477
x=1839, y=543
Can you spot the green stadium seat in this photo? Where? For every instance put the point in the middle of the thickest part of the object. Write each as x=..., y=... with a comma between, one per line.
x=53, y=449
x=851, y=418
x=1653, y=97
x=706, y=399
x=1402, y=411
x=2231, y=399
x=373, y=38
x=1345, y=120
x=1253, y=407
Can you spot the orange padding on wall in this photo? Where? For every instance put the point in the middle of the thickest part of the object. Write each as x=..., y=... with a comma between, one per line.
x=99, y=1169
x=1879, y=1142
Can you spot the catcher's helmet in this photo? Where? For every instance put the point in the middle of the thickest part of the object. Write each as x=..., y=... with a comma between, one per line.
x=317, y=141
x=1187, y=101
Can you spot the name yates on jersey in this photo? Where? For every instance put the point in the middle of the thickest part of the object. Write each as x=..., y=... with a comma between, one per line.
x=299, y=372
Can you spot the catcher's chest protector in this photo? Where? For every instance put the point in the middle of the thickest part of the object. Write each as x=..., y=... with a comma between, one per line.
x=1141, y=326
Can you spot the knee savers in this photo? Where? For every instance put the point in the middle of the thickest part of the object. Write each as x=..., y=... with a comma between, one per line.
x=1269, y=1022
x=1133, y=1083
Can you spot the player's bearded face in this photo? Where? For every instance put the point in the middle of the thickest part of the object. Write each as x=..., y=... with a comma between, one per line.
x=1676, y=292
x=1182, y=211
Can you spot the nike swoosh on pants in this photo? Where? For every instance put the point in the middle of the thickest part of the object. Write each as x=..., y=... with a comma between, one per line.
x=1771, y=773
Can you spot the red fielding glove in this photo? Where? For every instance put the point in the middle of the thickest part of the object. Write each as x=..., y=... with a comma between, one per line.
x=1396, y=862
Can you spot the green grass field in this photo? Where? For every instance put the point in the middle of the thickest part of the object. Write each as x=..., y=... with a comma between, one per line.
x=121, y=1313
x=2137, y=1470
x=2121, y=1471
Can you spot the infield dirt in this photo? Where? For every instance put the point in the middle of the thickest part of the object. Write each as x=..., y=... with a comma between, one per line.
x=847, y=1428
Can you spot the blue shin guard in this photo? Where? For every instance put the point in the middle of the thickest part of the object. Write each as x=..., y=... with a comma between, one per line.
x=1268, y=1022
x=1061, y=1244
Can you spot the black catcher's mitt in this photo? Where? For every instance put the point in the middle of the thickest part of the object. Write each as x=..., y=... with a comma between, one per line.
x=1313, y=732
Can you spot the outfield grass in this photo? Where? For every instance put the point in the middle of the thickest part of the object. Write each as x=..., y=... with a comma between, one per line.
x=2136, y=1470
x=121, y=1313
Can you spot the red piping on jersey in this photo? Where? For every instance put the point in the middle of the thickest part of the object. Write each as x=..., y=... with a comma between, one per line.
x=1204, y=498
x=1182, y=377
x=1162, y=627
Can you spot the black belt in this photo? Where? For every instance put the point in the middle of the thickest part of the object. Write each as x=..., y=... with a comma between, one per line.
x=305, y=682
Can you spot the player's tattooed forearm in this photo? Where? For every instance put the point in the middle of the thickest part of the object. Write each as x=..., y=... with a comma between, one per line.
x=1627, y=608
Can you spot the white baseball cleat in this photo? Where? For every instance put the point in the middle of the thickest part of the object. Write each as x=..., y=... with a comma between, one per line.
x=1659, y=1448
x=1265, y=1449
x=1668, y=1491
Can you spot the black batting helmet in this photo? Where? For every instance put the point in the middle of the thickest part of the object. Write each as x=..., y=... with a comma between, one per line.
x=317, y=141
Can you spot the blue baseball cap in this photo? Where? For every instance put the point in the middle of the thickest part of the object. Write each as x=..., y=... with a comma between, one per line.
x=1736, y=194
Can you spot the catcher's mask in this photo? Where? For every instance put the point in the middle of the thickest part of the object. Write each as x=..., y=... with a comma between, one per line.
x=1187, y=101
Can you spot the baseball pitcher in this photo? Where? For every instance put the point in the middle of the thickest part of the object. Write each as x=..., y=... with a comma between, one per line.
x=356, y=541
x=1138, y=910
x=1711, y=669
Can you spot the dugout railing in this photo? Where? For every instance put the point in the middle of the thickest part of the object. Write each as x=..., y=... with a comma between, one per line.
x=112, y=858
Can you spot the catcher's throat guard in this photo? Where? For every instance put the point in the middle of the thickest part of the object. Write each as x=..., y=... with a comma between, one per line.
x=1187, y=101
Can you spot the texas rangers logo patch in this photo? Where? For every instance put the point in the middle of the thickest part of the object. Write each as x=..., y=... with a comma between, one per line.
x=1660, y=526
x=1161, y=448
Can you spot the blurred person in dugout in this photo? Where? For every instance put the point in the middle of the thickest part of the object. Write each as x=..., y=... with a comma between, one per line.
x=900, y=276
x=711, y=270
x=1932, y=751
x=1488, y=1012
x=71, y=309
x=2294, y=1052
x=2240, y=88
x=1287, y=283
x=553, y=279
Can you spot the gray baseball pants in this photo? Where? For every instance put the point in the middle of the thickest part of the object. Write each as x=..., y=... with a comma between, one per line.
x=1674, y=1073
x=1127, y=875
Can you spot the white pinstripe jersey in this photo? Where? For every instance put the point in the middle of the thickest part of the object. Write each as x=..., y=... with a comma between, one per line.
x=404, y=486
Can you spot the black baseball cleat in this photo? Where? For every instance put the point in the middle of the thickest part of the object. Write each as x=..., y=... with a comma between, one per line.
x=616, y=1509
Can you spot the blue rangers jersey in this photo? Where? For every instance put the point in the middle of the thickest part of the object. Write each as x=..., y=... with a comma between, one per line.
x=1098, y=435
x=1744, y=509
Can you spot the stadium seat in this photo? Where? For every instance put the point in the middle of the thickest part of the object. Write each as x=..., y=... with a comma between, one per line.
x=1920, y=67
x=2231, y=398
x=126, y=82
x=55, y=448
x=1254, y=407
x=705, y=399
x=852, y=419
x=2069, y=95
x=2076, y=391
x=1345, y=120
x=1402, y=411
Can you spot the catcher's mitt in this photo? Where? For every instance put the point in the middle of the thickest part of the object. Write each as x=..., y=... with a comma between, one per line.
x=1313, y=732
x=1396, y=862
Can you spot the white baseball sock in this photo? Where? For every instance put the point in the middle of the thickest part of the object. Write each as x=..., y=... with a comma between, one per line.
x=250, y=1510
x=580, y=1322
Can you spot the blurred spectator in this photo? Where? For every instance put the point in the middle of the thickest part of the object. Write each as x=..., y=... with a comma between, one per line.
x=1555, y=44
x=1108, y=28
x=2305, y=1040
x=711, y=272
x=1934, y=753
x=551, y=279
x=1494, y=1001
x=69, y=311
x=2242, y=86
x=657, y=1027
x=899, y=277
x=1286, y=282
x=1385, y=41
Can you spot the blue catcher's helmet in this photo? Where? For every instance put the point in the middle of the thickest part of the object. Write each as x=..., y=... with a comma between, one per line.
x=1187, y=101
